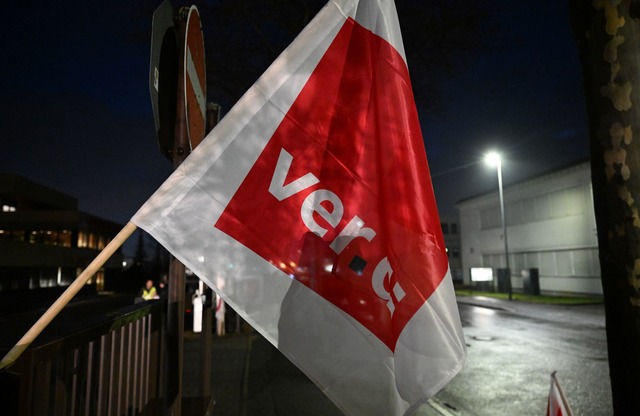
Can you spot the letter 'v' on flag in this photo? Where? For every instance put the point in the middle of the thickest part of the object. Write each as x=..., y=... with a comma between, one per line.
x=309, y=209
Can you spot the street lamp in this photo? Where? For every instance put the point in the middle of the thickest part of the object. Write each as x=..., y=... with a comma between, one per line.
x=494, y=159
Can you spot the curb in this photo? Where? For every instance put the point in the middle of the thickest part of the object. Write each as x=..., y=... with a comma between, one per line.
x=480, y=304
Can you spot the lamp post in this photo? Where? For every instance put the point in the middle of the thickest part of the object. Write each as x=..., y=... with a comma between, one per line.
x=494, y=159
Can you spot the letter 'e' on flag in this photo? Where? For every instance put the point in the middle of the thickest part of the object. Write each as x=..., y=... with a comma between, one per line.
x=309, y=209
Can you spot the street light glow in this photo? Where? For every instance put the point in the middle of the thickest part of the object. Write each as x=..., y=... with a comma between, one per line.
x=493, y=159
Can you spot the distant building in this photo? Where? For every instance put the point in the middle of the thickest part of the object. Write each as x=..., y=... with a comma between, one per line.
x=45, y=241
x=451, y=233
x=550, y=227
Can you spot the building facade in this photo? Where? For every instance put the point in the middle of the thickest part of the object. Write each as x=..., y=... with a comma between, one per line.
x=45, y=241
x=550, y=227
x=451, y=234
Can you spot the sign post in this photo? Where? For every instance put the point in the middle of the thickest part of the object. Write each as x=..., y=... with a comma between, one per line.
x=177, y=84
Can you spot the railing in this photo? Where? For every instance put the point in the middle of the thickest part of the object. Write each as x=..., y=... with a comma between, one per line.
x=110, y=367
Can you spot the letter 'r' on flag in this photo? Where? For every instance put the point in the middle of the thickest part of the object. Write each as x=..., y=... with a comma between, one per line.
x=309, y=210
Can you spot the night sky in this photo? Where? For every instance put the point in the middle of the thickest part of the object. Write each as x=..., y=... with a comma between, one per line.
x=75, y=112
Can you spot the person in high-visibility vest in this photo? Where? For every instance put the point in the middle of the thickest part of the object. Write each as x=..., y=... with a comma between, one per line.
x=149, y=291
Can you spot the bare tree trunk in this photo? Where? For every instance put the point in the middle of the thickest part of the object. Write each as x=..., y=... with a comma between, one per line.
x=608, y=35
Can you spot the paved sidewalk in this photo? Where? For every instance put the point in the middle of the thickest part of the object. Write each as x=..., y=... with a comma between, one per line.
x=250, y=377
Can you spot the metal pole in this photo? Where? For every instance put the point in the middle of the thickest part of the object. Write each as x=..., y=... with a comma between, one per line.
x=176, y=301
x=504, y=227
x=206, y=337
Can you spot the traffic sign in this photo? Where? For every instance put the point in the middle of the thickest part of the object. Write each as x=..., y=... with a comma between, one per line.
x=195, y=82
x=163, y=76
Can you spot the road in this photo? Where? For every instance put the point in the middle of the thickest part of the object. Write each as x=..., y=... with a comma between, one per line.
x=512, y=352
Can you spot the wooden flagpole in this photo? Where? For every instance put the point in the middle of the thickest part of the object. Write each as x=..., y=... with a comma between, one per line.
x=67, y=295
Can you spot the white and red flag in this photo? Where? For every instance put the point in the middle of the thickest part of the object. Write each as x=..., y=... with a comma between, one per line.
x=557, y=404
x=309, y=209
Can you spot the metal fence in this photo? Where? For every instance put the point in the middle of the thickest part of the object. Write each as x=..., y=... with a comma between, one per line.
x=111, y=367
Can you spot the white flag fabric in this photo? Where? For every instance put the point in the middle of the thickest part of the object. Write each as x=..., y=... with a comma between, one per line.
x=557, y=404
x=309, y=209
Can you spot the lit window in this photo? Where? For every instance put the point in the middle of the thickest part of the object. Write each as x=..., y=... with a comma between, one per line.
x=82, y=239
x=99, y=279
x=50, y=238
x=35, y=237
x=5, y=235
x=65, y=238
x=92, y=241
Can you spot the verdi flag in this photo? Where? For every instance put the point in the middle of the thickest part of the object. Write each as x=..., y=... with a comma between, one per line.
x=557, y=404
x=309, y=210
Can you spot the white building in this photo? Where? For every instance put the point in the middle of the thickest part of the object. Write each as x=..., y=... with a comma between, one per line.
x=550, y=226
x=451, y=236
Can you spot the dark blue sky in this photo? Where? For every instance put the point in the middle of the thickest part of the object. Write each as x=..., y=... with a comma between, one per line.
x=523, y=98
x=75, y=112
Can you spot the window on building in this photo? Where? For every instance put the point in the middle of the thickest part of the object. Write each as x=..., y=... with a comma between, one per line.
x=445, y=228
x=454, y=228
x=100, y=280
x=64, y=238
x=92, y=241
x=35, y=237
x=18, y=236
x=66, y=276
x=50, y=238
x=48, y=277
x=82, y=239
x=493, y=260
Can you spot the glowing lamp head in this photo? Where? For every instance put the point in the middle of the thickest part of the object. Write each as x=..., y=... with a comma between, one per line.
x=493, y=159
